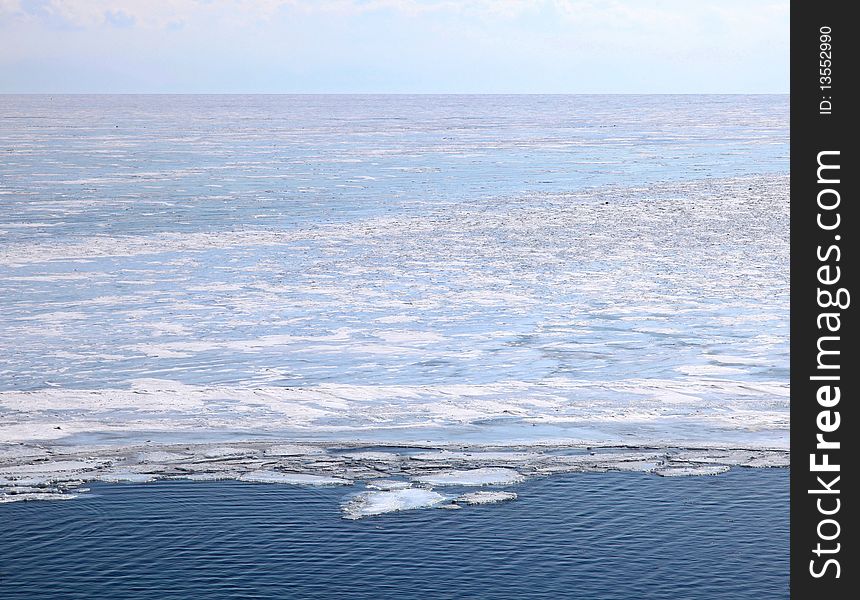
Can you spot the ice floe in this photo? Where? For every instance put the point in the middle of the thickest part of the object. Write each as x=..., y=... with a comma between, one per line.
x=691, y=470
x=122, y=476
x=367, y=504
x=27, y=496
x=292, y=478
x=388, y=484
x=373, y=456
x=485, y=497
x=161, y=457
x=292, y=450
x=61, y=471
x=482, y=476
x=209, y=476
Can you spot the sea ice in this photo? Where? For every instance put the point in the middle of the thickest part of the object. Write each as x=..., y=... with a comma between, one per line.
x=219, y=476
x=227, y=452
x=124, y=477
x=5, y=498
x=373, y=456
x=292, y=450
x=292, y=478
x=691, y=470
x=391, y=468
x=447, y=455
x=388, y=484
x=367, y=504
x=484, y=476
x=636, y=465
x=161, y=457
x=485, y=497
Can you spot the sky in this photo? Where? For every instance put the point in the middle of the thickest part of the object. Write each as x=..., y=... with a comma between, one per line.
x=394, y=46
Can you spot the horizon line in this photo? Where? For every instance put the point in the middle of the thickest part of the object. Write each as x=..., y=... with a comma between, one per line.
x=6, y=93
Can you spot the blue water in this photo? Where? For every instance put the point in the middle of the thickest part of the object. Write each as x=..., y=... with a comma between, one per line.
x=599, y=536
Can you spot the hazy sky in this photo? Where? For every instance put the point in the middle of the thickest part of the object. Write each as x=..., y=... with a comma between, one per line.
x=531, y=46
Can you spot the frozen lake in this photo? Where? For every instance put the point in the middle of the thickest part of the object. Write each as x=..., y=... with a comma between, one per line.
x=366, y=347
x=600, y=269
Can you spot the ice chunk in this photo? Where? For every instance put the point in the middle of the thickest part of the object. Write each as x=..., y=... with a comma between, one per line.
x=636, y=465
x=161, y=457
x=22, y=451
x=691, y=470
x=388, y=484
x=209, y=476
x=485, y=497
x=55, y=467
x=293, y=450
x=373, y=456
x=367, y=504
x=120, y=476
x=776, y=459
x=485, y=476
x=292, y=478
x=227, y=452
x=5, y=498
x=476, y=456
